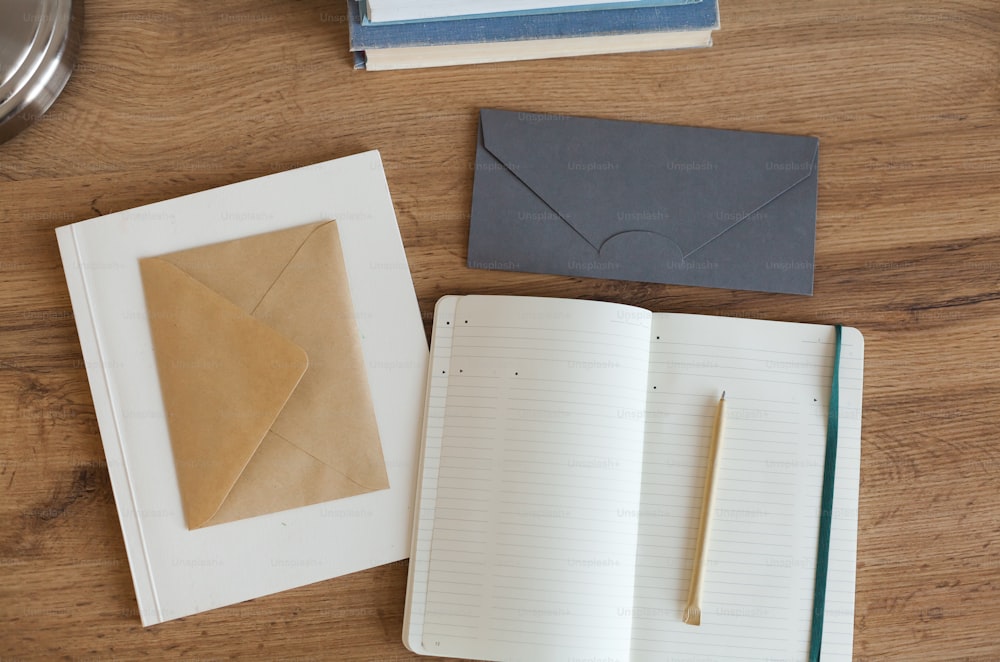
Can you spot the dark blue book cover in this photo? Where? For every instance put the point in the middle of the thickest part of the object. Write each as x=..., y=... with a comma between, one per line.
x=702, y=15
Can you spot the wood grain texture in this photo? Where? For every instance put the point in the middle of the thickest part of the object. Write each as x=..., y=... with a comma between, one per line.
x=174, y=97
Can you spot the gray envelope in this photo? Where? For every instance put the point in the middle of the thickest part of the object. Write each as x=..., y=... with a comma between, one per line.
x=647, y=202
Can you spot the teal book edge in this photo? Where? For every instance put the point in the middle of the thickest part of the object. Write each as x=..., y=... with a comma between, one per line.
x=826, y=507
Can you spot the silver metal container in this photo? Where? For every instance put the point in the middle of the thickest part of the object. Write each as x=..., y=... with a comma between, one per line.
x=39, y=42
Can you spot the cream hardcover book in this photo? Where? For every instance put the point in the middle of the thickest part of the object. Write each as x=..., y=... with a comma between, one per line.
x=257, y=361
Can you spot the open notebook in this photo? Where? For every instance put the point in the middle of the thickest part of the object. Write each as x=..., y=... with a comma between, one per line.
x=561, y=483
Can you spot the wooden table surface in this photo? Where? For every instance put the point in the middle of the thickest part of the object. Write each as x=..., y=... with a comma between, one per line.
x=173, y=97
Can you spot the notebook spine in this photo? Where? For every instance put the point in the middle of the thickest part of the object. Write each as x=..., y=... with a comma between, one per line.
x=108, y=423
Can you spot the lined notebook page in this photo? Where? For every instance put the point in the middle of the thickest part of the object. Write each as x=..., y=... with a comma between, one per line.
x=758, y=587
x=532, y=552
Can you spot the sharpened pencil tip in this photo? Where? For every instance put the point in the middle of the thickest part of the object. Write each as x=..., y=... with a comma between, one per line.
x=723, y=396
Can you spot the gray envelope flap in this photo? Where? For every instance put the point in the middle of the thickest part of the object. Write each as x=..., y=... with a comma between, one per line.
x=608, y=178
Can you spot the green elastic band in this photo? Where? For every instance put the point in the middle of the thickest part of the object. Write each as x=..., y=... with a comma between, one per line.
x=826, y=507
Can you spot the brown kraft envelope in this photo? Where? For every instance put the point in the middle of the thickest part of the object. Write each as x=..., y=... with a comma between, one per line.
x=262, y=374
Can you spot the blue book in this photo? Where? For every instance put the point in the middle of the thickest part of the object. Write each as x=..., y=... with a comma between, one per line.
x=694, y=17
x=408, y=11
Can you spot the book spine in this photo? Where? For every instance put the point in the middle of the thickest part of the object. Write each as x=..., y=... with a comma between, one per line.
x=108, y=423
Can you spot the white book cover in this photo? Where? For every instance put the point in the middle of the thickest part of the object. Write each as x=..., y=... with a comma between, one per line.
x=392, y=11
x=179, y=571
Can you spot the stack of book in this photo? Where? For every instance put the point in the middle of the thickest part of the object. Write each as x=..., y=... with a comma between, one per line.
x=403, y=34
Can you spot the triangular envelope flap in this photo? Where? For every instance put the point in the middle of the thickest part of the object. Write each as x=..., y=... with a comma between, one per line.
x=224, y=377
x=608, y=177
x=331, y=415
x=281, y=476
x=243, y=270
